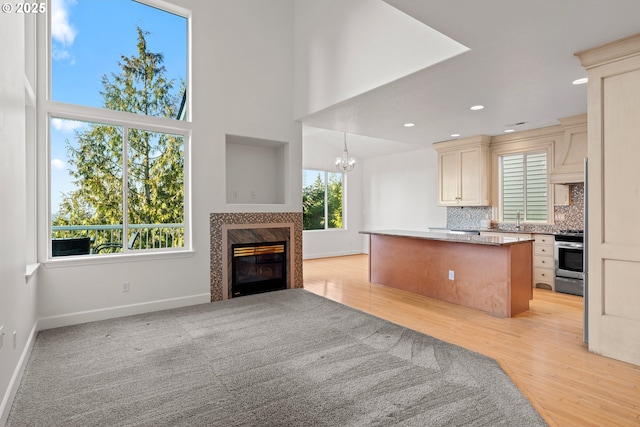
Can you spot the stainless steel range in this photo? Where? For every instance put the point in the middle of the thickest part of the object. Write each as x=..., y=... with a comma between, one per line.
x=569, y=262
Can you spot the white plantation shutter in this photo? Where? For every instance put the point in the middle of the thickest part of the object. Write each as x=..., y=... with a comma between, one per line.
x=536, y=190
x=512, y=186
x=524, y=187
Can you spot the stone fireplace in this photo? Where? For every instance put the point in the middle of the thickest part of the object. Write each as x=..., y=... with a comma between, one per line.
x=240, y=229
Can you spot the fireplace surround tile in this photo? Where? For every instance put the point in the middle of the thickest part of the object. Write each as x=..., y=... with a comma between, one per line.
x=251, y=227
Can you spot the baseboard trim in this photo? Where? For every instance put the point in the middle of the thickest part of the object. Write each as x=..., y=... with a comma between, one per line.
x=12, y=389
x=120, y=311
x=331, y=254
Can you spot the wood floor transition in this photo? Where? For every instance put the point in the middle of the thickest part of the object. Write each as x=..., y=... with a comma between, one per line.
x=542, y=349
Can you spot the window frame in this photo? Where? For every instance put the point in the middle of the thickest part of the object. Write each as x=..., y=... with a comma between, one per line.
x=326, y=198
x=521, y=147
x=46, y=108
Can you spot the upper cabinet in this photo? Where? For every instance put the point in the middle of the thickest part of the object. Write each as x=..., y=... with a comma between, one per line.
x=570, y=151
x=464, y=170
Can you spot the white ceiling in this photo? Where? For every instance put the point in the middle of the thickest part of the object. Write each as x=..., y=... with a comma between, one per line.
x=520, y=67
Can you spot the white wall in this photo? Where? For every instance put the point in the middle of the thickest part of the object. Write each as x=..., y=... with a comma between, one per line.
x=396, y=191
x=242, y=77
x=326, y=243
x=400, y=192
x=17, y=297
x=345, y=48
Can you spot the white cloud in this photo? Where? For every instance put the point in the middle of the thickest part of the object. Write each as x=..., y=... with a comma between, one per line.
x=60, y=54
x=61, y=29
x=58, y=164
x=66, y=125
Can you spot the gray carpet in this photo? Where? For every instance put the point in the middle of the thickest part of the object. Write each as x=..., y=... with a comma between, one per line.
x=285, y=358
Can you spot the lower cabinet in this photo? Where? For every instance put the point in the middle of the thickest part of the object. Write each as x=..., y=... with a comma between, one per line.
x=543, y=268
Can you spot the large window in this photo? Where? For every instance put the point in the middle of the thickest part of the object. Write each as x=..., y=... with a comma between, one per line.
x=524, y=186
x=322, y=200
x=117, y=127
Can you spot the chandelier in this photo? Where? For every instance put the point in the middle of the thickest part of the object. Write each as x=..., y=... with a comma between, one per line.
x=345, y=163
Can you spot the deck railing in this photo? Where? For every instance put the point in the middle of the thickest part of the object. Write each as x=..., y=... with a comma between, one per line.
x=109, y=238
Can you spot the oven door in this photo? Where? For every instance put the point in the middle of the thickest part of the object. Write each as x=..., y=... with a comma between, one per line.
x=569, y=260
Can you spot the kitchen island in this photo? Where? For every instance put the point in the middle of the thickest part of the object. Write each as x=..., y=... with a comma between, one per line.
x=493, y=274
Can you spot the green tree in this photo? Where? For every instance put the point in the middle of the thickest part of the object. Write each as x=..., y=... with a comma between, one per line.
x=313, y=205
x=334, y=200
x=313, y=202
x=155, y=161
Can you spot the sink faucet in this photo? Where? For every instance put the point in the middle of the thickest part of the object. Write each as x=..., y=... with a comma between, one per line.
x=518, y=226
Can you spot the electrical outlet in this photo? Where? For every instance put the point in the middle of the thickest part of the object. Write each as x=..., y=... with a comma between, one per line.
x=125, y=286
x=451, y=275
x=253, y=194
x=234, y=195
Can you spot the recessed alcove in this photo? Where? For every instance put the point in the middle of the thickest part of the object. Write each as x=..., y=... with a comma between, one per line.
x=256, y=170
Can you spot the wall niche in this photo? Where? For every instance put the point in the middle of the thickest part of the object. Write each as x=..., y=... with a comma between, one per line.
x=256, y=170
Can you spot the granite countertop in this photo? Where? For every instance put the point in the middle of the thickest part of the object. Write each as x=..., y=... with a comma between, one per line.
x=496, y=230
x=445, y=237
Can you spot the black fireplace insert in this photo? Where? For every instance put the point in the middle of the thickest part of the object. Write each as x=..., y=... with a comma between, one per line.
x=258, y=267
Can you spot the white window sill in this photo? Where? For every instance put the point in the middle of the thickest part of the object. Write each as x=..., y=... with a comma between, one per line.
x=30, y=271
x=84, y=260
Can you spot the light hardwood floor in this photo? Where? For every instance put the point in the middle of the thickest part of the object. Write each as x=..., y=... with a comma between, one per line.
x=541, y=349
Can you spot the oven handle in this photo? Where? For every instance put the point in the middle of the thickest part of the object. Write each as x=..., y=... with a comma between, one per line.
x=570, y=245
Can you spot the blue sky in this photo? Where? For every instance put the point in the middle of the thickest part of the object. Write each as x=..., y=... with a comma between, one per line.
x=88, y=38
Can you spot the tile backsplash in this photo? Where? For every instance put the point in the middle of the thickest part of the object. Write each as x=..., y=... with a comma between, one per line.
x=572, y=216
x=467, y=217
x=566, y=217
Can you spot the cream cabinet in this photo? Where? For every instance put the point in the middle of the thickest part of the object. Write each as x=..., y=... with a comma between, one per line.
x=612, y=293
x=543, y=264
x=464, y=171
x=561, y=195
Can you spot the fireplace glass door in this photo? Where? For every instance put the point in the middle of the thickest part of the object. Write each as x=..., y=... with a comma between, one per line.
x=258, y=267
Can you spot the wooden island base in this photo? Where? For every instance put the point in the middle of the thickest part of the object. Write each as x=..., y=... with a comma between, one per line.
x=493, y=278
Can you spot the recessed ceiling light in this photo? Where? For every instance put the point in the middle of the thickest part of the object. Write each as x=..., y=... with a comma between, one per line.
x=509, y=130
x=477, y=107
x=580, y=81
x=455, y=135
x=409, y=125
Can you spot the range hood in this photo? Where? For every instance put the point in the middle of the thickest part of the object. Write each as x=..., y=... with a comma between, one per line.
x=570, y=151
